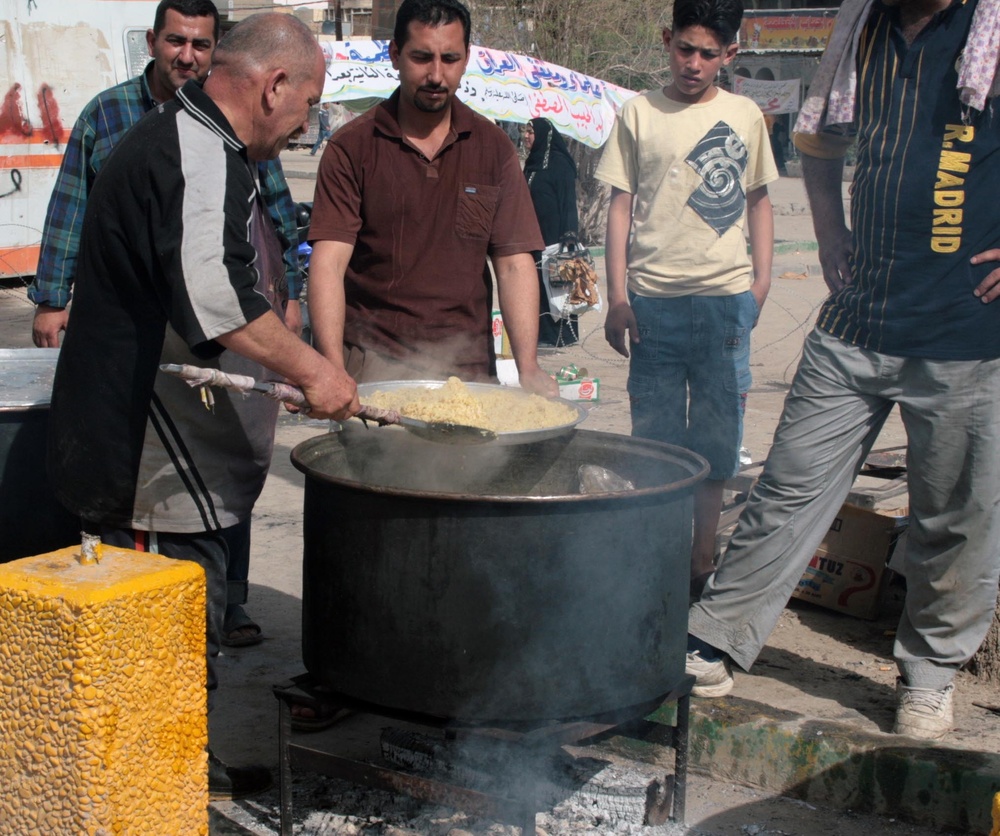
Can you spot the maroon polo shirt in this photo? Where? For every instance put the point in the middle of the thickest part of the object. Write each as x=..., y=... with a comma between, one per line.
x=418, y=281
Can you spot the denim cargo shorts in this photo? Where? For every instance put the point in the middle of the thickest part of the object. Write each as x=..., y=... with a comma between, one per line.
x=690, y=373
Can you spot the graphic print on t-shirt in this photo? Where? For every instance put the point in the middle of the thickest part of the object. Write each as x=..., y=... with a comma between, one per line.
x=720, y=157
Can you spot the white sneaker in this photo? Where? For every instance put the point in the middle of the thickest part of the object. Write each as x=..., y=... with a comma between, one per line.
x=711, y=679
x=923, y=712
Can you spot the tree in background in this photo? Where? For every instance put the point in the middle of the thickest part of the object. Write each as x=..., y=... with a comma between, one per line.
x=616, y=42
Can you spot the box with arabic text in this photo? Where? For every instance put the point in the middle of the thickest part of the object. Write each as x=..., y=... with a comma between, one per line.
x=848, y=573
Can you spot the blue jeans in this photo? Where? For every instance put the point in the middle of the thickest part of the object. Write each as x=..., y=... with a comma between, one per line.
x=690, y=374
x=237, y=539
x=838, y=402
x=323, y=136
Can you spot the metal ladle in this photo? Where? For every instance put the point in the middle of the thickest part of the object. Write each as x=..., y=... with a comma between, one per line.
x=438, y=431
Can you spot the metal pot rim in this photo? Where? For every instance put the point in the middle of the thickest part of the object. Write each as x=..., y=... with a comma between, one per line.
x=27, y=375
x=697, y=468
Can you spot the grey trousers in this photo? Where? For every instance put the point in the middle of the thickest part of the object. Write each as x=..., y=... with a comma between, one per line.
x=838, y=402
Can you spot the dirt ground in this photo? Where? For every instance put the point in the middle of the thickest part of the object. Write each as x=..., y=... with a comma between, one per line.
x=817, y=663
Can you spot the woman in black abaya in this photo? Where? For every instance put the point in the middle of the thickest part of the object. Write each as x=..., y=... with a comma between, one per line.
x=551, y=175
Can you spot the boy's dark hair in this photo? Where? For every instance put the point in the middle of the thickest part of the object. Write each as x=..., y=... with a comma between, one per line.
x=723, y=17
x=187, y=8
x=430, y=13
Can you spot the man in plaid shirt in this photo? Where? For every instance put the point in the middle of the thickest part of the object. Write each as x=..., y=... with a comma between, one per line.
x=180, y=43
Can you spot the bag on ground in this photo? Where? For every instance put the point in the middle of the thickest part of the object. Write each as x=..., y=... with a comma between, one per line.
x=570, y=278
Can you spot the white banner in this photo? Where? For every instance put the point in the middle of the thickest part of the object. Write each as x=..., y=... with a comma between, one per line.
x=500, y=85
x=771, y=96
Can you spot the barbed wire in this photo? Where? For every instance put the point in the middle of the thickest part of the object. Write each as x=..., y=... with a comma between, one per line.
x=615, y=361
x=801, y=326
x=16, y=293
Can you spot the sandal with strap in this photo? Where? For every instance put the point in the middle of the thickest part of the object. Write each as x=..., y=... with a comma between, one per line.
x=325, y=715
x=238, y=629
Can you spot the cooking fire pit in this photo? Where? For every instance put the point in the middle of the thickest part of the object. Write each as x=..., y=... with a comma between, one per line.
x=478, y=584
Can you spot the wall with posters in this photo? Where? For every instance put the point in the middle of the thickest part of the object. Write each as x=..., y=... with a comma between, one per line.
x=807, y=30
x=772, y=97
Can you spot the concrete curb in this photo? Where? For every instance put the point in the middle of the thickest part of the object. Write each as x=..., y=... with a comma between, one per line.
x=786, y=247
x=831, y=764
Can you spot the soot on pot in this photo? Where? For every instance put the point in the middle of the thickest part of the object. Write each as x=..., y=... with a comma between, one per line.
x=478, y=584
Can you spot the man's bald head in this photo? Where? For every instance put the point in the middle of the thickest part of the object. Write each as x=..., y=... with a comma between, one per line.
x=263, y=42
x=266, y=73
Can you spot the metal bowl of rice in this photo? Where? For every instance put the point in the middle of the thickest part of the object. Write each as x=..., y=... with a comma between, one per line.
x=517, y=416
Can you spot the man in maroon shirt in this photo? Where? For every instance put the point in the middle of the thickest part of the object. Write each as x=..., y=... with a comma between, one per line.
x=411, y=199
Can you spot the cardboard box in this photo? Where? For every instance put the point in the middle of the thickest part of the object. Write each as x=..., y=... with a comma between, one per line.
x=581, y=389
x=501, y=343
x=848, y=573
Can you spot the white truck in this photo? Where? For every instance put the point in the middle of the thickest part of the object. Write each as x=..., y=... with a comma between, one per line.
x=55, y=56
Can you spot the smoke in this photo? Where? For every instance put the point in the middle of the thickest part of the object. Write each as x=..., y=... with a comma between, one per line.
x=448, y=354
x=392, y=457
x=522, y=776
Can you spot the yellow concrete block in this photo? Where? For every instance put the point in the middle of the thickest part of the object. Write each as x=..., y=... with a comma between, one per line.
x=103, y=723
x=996, y=815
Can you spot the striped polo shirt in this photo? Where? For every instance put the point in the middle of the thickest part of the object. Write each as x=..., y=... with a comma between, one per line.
x=924, y=200
x=168, y=264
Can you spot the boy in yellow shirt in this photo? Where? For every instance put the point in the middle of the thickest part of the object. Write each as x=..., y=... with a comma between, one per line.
x=688, y=167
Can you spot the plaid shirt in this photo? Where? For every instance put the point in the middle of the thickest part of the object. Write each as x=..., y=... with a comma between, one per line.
x=101, y=124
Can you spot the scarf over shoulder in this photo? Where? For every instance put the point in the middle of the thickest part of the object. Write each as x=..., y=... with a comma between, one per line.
x=831, y=95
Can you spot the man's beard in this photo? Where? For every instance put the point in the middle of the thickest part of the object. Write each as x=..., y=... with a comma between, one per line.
x=431, y=107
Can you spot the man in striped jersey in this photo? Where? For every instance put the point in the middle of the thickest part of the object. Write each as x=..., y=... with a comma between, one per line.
x=179, y=264
x=908, y=323
x=180, y=42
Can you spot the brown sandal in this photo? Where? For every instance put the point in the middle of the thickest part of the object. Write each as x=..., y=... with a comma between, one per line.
x=239, y=629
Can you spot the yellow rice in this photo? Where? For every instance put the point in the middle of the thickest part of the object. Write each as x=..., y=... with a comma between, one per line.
x=499, y=410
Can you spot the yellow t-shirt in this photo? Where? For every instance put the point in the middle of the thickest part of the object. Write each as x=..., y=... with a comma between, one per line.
x=690, y=168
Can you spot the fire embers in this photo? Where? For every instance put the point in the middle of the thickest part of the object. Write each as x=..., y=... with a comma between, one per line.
x=509, y=777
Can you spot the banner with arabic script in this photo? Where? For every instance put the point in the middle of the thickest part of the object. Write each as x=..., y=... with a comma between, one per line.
x=500, y=85
x=771, y=96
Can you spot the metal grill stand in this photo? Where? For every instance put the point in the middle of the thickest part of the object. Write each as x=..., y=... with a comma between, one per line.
x=664, y=801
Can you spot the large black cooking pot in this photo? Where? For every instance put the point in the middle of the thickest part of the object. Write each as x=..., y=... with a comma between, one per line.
x=31, y=519
x=477, y=584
